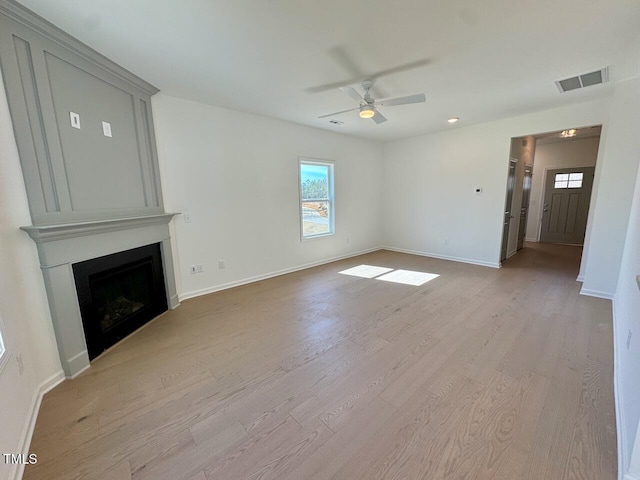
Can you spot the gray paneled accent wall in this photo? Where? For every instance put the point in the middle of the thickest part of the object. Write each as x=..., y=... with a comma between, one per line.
x=76, y=174
x=92, y=192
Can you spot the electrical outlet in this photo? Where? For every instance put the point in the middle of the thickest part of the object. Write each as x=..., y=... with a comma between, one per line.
x=446, y=241
x=221, y=265
x=187, y=217
x=629, y=335
x=20, y=363
x=200, y=268
x=193, y=269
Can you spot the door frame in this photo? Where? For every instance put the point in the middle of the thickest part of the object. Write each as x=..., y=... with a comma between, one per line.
x=526, y=217
x=505, y=238
x=544, y=191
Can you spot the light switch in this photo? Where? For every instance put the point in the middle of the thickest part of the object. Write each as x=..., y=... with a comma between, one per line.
x=75, y=120
x=106, y=129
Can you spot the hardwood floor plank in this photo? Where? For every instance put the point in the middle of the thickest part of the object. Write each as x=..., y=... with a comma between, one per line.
x=592, y=454
x=552, y=441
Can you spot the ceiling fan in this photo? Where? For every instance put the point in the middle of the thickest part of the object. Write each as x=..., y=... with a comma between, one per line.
x=369, y=107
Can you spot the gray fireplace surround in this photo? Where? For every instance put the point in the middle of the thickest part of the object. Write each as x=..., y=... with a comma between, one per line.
x=60, y=246
x=84, y=131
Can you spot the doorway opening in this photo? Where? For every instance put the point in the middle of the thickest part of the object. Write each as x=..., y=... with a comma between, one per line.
x=549, y=188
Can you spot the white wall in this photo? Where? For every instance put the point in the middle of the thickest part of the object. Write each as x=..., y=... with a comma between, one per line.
x=237, y=175
x=23, y=303
x=627, y=317
x=615, y=179
x=429, y=183
x=579, y=152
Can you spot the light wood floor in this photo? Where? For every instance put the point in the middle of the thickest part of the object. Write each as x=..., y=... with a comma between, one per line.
x=479, y=374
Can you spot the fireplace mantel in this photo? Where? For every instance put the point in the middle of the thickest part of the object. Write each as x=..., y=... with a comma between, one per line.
x=50, y=233
x=62, y=245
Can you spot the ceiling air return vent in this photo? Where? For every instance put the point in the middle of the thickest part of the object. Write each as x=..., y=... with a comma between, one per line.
x=584, y=80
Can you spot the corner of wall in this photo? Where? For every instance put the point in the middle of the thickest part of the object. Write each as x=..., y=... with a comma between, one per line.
x=30, y=423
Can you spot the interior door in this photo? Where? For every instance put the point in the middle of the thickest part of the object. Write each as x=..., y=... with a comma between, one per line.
x=524, y=209
x=566, y=205
x=511, y=183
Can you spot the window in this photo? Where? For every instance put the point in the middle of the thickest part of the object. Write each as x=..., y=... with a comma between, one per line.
x=568, y=180
x=316, y=198
x=4, y=355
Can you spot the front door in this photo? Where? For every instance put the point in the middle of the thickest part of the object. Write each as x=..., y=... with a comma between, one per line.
x=566, y=205
x=511, y=183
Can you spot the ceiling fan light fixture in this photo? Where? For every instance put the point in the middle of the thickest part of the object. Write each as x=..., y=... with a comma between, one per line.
x=367, y=111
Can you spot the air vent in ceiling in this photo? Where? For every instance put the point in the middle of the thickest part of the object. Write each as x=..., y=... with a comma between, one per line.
x=336, y=122
x=584, y=80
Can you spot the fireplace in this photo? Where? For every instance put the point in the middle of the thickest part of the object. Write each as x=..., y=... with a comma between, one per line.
x=67, y=252
x=119, y=293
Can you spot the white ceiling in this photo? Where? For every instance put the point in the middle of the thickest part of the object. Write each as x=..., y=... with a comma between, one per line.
x=489, y=59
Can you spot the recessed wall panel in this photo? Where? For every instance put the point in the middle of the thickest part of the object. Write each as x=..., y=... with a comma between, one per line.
x=103, y=173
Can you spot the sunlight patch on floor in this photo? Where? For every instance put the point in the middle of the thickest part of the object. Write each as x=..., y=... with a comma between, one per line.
x=406, y=277
x=366, y=271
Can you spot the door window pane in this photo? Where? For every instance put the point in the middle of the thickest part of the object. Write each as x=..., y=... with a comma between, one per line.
x=568, y=180
x=575, y=180
x=561, y=180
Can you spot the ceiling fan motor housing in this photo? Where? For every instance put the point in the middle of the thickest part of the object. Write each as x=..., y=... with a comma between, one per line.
x=367, y=111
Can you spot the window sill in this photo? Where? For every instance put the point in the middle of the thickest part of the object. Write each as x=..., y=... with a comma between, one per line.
x=323, y=235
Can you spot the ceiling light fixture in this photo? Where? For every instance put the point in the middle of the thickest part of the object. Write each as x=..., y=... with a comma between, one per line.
x=569, y=133
x=367, y=111
x=453, y=120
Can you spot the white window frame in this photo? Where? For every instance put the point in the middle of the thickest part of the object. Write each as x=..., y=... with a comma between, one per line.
x=331, y=199
x=4, y=352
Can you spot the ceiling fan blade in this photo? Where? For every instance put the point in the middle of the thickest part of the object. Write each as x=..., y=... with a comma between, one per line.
x=341, y=57
x=379, y=118
x=352, y=93
x=333, y=86
x=338, y=113
x=400, y=68
x=418, y=98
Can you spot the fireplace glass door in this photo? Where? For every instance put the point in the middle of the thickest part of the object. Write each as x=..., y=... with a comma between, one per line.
x=118, y=294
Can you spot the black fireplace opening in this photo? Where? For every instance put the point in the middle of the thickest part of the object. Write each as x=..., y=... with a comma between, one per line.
x=118, y=294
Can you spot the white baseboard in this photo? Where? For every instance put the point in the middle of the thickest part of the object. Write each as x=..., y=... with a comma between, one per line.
x=257, y=278
x=580, y=279
x=27, y=431
x=445, y=257
x=532, y=240
x=596, y=293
